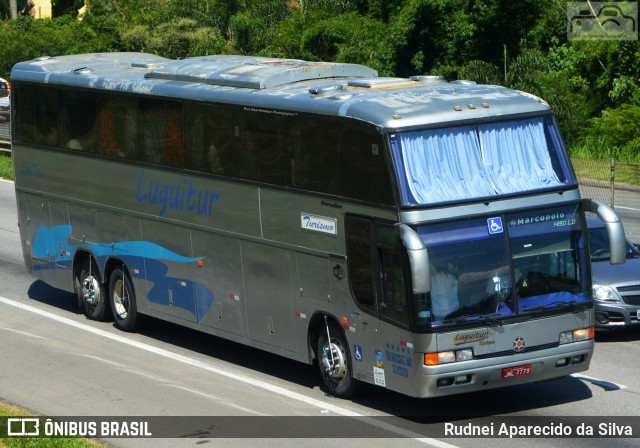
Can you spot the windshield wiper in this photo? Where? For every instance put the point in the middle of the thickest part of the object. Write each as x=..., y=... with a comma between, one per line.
x=460, y=319
x=489, y=319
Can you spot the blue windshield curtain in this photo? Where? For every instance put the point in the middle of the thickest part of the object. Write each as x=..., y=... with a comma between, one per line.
x=516, y=156
x=445, y=165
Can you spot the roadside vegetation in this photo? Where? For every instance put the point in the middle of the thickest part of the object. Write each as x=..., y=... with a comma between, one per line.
x=6, y=166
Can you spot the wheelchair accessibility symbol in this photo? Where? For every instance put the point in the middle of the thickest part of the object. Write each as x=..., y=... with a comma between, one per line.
x=494, y=225
x=357, y=350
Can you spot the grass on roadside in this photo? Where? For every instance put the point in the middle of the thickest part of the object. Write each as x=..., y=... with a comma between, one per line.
x=6, y=166
x=7, y=410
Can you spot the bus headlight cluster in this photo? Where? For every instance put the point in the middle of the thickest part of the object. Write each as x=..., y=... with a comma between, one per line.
x=435, y=359
x=605, y=294
x=582, y=334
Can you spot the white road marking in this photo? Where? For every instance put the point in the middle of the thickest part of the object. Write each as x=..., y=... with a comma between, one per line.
x=628, y=208
x=23, y=333
x=231, y=375
x=606, y=385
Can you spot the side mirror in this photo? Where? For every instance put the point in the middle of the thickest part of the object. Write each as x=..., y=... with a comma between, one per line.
x=418, y=259
x=617, y=239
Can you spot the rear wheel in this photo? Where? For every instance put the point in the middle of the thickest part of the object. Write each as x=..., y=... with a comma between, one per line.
x=335, y=362
x=123, y=302
x=91, y=292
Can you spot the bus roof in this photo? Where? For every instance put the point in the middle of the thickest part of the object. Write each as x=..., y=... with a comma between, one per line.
x=286, y=85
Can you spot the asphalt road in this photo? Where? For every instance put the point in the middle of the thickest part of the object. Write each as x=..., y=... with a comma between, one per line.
x=56, y=363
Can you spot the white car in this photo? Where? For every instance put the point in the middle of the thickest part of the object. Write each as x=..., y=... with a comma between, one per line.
x=5, y=107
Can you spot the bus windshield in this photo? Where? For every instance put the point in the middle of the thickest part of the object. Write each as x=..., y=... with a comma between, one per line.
x=479, y=161
x=500, y=266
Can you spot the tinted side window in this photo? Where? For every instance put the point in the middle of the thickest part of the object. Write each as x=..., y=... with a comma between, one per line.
x=78, y=120
x=117, y=126
x=314, y=152
x=25, y=119
x=208, y=139
x=259, y=149
x=364, y=174
x=160, y=132
x=393, y=301
x=360, y=262
x=46, y=117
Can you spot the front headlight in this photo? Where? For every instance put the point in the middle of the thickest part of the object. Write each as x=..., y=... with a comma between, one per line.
x=605, y=294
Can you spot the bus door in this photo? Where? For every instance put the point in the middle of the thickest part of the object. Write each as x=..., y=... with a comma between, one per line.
x=396, y=340
x=381, y=343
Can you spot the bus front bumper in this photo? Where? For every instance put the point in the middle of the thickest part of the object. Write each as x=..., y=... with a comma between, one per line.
x=477, y=375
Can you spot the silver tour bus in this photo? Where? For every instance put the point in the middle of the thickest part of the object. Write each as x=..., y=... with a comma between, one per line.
x=421, y=235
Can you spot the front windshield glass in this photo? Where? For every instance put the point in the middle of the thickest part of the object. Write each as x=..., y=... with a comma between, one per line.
x=459, y=163
x=499, y=266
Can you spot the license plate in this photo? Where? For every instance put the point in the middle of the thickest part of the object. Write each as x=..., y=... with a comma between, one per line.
x=638, y=314
x=512, y=372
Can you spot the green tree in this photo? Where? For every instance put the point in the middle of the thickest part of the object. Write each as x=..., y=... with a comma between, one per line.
x=615, y=134
x=429, y=36
x=25, y=38
x=178, y=38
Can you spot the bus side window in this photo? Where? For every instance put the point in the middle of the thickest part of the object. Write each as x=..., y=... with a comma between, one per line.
x=364, y=171
x=208, y=140
x=360, y=262
x=78, y=120
x=117, y=133
x=25, y=120
x=393, y=300
x=314, y=154
x=46, y=117
x=260, y=153
x=160, y=132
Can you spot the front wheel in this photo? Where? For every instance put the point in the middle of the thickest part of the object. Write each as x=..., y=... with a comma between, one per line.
x=335, y=363
x=123, y=302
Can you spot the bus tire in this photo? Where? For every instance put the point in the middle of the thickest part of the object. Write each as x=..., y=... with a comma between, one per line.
x=335, y=366
x=123, y=302
x=91, y=292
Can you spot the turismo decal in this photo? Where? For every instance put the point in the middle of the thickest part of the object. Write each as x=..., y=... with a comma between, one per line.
x=318, y=223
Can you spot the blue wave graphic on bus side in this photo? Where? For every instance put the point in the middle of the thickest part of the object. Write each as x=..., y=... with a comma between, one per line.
x=186, y=294
x=52, y=244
